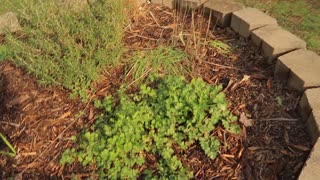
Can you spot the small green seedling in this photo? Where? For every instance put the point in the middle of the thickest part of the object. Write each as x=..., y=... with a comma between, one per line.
x=220, y=46
x=13, y=151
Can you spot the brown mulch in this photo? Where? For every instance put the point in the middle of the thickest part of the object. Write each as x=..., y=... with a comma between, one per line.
x=276, y=146
x=40, y=120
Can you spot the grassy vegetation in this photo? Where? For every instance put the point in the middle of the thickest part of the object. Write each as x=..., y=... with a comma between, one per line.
x=65, y=47
x=163, y=60
x=301, y=17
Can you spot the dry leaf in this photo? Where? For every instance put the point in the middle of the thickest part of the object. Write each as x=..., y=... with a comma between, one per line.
x=245, y=121
x=170, y=26
x=269, y=84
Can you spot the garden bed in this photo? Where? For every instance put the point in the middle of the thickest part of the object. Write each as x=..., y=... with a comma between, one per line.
x=40, y=122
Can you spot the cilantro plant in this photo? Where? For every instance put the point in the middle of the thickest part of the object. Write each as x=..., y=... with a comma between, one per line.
x=170, y=111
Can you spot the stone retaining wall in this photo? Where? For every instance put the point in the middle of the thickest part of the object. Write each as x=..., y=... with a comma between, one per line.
x=296, y=66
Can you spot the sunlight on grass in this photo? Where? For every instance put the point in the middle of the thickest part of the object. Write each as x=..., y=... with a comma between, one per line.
x=65, y=47
x=301, y=17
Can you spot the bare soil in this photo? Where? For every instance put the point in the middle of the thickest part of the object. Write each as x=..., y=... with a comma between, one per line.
x=39, y=121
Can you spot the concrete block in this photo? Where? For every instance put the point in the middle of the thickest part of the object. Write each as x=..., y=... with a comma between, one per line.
x=221, y=10
x=275, y=41
x=311, y=170
x=309, y=109
x=300, y=69
x=188, y=4
x=246, y=20
x=9, y=22
x=313, y=125
x=309, y=99
x=168, y=3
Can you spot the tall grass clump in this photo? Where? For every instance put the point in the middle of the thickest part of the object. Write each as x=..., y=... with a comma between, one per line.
x=68, y=46
x=161, y=60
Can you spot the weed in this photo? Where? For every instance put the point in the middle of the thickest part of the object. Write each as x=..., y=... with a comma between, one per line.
x=5, y=53
x=221, y=47
x=151, y=121
x=163, y=60
x=69, y=48
x=13, y=151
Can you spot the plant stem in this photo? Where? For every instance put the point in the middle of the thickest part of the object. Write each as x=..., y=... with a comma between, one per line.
x=4, y=139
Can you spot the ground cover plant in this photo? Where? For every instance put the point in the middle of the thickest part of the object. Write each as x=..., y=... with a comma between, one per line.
x=154, y=121
x=301, y=17
x=130, y=132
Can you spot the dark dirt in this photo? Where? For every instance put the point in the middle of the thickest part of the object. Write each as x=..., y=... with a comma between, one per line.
x=39, y=121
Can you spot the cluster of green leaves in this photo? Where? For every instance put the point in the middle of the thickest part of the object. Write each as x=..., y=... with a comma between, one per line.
x=162, y=60
x=150, y=121
x=67, y=47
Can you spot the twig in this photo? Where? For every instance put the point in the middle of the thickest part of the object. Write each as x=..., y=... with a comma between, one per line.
x=9, y=123
x=143, y=37
x=278, y=119
x=154, y=18
x=143, y=75
x=222, y=66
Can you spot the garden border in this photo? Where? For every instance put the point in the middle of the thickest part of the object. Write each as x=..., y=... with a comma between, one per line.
x=296, y=66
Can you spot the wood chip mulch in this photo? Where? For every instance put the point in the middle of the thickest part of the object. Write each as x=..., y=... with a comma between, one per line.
x=274, y=145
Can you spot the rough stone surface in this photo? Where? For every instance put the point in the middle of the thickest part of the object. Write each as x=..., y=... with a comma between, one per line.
x=309, y=109
x=300, y=69
x=309, y=100
x=168, y=3
x=313, y=125
x=189, y=4
x=311, y=171
x=249, y=19
x=9, y=22
x=221, y=10
x=275, y=41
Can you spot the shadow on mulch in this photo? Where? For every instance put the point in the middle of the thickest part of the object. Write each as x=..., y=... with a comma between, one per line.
x=38, y=121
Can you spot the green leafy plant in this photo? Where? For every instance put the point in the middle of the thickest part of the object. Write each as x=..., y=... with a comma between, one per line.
x=68, y=47
x=8, y=144
x=163, y=60
x=169, y=113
